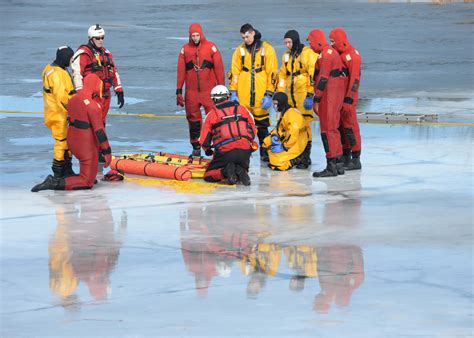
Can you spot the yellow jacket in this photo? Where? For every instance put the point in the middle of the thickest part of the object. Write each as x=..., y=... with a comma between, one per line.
x=252, y=79
x=57, y=89
x=294, y=132
x=303, y=259
x=296, y=75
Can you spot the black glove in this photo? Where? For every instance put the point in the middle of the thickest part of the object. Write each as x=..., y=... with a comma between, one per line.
x=209, y=152
x=120, y=99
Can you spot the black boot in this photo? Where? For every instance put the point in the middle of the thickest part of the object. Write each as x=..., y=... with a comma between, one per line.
x=305, y=158
x=58, y=168
x=196, y=149
x=50, y=183
x=229, y=173
x=346, y=156
x=355, y=162
x=340, y=165
x=264, y=154
x=330, y=171
x=242, y=175
x=68, y=165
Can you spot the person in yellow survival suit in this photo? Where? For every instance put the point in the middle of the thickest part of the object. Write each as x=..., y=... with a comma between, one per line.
x=252, y=79
x=287, y=142
x=296, y=76
x=57, y=90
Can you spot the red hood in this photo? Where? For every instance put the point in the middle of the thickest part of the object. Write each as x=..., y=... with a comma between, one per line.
x=196, y=28
x=341, y=44
x=92, y=86
x=317, y=40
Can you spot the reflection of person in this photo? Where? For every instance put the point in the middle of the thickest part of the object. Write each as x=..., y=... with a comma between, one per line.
x=86, y=136
x=328, y=97
x=296, y=77
x=57, y=90
x=341, y=271
x=200, y=68
x=302, y=259
x=93, y=58
x=252, y=78
x=288, y=141
x=264, y=261
x=80, y=251
x=351, y=61
x=229, y=128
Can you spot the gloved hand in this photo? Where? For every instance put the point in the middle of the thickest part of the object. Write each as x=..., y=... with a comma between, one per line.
x=120, y=99
x=346, y=107
x=277, y=146
x=233, y=96
x=180, y=100
x=209, y=152
x=108, y=159
x=308, y=103
x=266, y=102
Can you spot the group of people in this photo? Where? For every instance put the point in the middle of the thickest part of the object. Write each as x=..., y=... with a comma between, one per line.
x=322, y=78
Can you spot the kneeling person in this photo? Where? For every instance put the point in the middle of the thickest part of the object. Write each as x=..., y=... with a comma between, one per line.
x=288, y=142
x=229, y=128
x=86, y=136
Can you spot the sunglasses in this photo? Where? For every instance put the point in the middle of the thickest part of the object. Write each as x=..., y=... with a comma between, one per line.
x=100, y=38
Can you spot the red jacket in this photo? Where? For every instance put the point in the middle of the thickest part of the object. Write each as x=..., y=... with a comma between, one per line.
x=85, y=117
x=351, y=61
x=89, y=60
x=328, y=68
x=200, y=66
x=228, y=126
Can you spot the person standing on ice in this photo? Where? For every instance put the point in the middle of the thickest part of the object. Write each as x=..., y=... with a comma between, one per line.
x=86, y=137
x=200, y=68
x=252, y=79
x=328, y=97
x=57, y=90
x=296, y=76
x=351, y=61
x=229, y=128
x=93, y=58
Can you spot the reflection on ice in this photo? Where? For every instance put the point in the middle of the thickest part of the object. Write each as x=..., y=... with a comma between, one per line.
x=84, y=248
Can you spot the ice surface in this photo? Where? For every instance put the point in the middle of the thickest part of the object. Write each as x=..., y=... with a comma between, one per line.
x=387, y=250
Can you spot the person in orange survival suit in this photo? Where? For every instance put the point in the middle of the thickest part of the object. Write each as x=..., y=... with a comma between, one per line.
x=200, y=67
x=341, y=271
x=328, y=97
x=93, y=58
x=351, y=61
x=86, y=136
x=230, y=129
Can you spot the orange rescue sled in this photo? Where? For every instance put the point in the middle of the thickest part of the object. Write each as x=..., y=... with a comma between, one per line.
x=151, y=169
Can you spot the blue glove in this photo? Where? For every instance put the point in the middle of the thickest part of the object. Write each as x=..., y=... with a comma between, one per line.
x=233, y=96
x=266, y=102
x=277, y=146
x=308, y=103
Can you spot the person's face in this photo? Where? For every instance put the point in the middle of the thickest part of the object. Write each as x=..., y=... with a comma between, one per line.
x=332, y=42
x=288, y=43
x=248, y=37
x=99, y=41
x=275, y=105
x=196, y=37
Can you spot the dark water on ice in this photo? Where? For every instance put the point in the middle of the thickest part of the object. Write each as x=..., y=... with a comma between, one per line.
x=409, y=50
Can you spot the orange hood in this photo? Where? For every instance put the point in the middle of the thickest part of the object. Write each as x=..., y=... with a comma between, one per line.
x=317, y=40
x=196, y=28
x=341, y=44
x=92, y=86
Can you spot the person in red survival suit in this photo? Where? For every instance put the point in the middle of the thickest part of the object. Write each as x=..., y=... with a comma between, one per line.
x=200, y=67
x=351, y=61
x=230, y=129
x=328, y=97
x=86, y=137
x=93, y=58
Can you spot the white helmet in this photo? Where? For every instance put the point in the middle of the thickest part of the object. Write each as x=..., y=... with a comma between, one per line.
x=219, y=93
x=95, y=31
